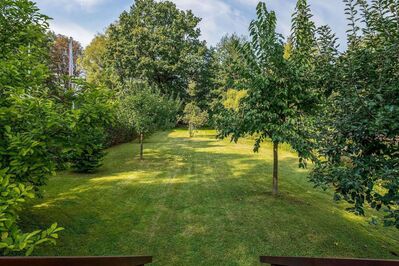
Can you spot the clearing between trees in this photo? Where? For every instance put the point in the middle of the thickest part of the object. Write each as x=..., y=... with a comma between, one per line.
x=201, y=201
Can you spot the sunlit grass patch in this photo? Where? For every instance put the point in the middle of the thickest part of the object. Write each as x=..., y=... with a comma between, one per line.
x=201, y=201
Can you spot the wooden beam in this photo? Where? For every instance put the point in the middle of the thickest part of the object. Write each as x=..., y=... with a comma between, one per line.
x=75, y=261
x=303, y=261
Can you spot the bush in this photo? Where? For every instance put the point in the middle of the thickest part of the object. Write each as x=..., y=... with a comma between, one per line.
x=13, y=240
x=94, y=113
x=119, y=133
x=30, y=139
x=89, y=150
x=31, y=125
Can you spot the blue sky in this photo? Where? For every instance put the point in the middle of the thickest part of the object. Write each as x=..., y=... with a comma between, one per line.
x=82, y=19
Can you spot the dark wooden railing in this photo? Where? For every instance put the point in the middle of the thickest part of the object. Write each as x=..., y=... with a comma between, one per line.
x=302, y=261
x=74, y=261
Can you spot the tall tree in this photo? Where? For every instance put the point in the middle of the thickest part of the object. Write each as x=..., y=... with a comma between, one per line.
x=229, y=64
x=202, y=82
x=358, y=140
x=156, y=42
x=278, y=98
x=93, y=61
x=59, y=58
x=326, y=70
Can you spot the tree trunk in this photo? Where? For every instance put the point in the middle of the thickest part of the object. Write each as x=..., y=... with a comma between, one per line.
x=275, y=168
x=190, y=130
x=141, y=146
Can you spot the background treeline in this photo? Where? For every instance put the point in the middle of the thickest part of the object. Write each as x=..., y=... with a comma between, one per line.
x=149, y=71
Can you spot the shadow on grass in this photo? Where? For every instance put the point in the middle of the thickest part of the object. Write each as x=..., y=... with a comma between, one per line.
x=192, y=199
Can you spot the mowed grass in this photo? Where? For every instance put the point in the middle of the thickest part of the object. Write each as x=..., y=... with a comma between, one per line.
x=201, y=201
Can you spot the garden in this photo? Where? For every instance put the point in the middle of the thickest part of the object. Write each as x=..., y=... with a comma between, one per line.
x=149, y=141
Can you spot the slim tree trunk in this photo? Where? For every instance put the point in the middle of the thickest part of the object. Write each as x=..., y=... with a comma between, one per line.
x=190, y=129
x=275, y=168
x=141, y=146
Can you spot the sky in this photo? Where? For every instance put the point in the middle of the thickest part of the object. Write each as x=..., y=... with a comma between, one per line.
x=83, y=19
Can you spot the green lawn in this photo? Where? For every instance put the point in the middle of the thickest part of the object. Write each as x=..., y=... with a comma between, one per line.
x=201, y=201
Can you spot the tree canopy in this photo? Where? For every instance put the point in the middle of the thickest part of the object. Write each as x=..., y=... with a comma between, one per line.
x=277, y=94
x=146, y=109
x=156, y=42
x=194, y=117
x=93, y=59
x=359, y=129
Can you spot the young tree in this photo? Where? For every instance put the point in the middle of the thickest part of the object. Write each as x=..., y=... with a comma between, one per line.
x=358, y=135
x=146, y=110
x=278, y=98
x=156, y=42
x=194, y=117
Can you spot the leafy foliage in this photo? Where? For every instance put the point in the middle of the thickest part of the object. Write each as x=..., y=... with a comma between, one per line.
x=228, y=64
x=30, y=123
x=30, y=137
x=146, y=109
x=358, y=134
x=233, y=99
x=325, y=58
x=93, y=60
x=156, y=42
x=194, y=117
x=278, y=94
x=23, y=45
x=93, y=113
x=13, y=240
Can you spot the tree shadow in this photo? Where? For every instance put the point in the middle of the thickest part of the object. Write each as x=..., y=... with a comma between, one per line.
x=192, y=199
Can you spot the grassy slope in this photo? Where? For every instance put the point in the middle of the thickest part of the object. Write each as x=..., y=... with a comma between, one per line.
x=201, y=202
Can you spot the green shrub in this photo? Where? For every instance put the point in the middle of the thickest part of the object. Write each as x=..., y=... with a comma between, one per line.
x=89, y=150
x=119, y=133
x=30, y=137
x=93, y=114
x=30, y=140
x=13, y=240
x=31, y=125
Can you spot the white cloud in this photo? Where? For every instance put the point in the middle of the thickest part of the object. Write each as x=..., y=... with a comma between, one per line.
x=73, y=30
x=248, y=2
x=218, y=18
x=87, y=3
x=326, y=12
x=71, y=4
